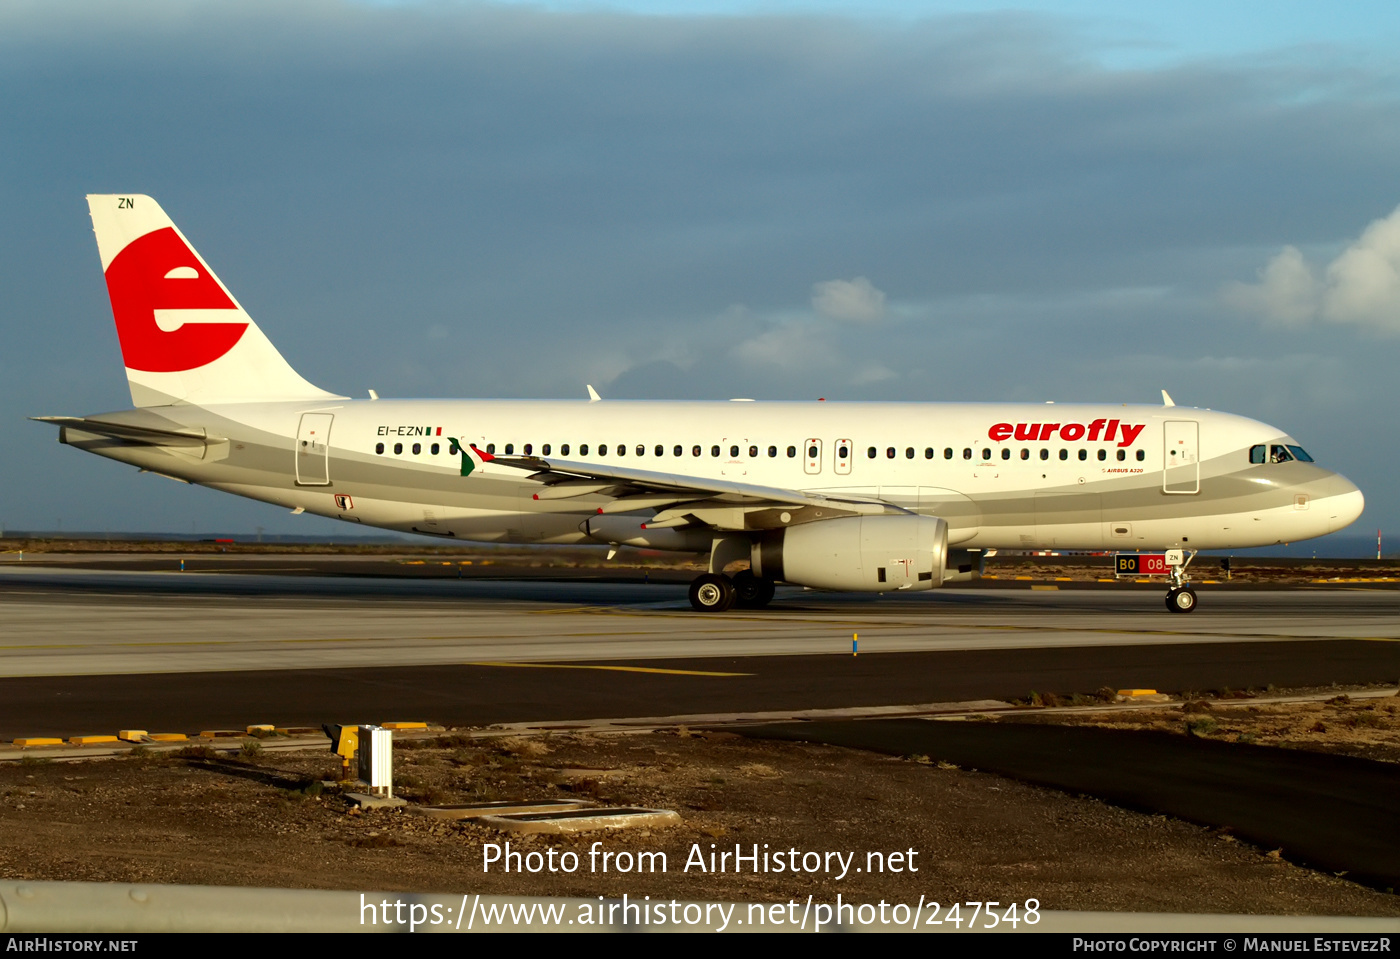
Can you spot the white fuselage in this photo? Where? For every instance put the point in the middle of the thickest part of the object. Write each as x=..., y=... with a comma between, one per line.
x=1104, y=477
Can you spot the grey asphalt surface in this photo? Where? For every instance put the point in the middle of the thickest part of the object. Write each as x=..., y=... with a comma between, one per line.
x=60, y=622
x=86, y=651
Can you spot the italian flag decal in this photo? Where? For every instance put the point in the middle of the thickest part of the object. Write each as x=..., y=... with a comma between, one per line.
x=469, y=459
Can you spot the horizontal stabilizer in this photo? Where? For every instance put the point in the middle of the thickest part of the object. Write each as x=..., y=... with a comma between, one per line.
x=125, y=431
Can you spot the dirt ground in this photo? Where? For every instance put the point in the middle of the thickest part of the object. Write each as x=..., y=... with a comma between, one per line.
x=262, y=818
x=1368, y=728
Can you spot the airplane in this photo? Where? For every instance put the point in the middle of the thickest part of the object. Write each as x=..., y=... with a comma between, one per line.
x=870, y=497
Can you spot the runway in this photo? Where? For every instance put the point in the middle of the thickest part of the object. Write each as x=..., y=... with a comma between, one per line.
x=86, y=651
x=63, y=622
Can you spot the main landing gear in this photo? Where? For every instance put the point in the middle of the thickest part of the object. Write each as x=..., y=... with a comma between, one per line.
x=1181, y=598
x=715, y=592
x=752, y=592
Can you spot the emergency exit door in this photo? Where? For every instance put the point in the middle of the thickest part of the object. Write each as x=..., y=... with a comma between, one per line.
x=314, y=449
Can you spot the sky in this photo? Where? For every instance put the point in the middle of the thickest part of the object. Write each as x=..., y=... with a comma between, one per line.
x=713, y=198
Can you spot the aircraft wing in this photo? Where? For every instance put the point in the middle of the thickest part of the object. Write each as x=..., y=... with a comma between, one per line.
x=632, y=489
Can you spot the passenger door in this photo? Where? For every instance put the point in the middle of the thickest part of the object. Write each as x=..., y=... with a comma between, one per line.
x=1181, y=467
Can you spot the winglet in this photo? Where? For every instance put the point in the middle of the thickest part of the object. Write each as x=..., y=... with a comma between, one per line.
x=593, y=396
x=1167, y=400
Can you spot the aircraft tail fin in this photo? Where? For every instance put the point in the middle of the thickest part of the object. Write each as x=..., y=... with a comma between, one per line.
x=184, y=337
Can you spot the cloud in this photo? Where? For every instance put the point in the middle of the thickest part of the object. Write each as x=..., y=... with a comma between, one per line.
x=1360, y=287
x=790, y=347
x=856, y=301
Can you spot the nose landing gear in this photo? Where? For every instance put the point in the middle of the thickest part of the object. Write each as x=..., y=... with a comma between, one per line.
x=1181, y=598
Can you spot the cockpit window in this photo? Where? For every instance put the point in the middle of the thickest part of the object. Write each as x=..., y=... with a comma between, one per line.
x=1256, y=453
x=1279, y=454
x=1300, y=453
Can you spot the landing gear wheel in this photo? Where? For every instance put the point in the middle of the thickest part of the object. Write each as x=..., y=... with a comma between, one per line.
x=1181, y=600
x=752, y=592
x=711, y=593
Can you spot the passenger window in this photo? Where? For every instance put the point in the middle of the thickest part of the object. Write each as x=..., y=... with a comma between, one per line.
x=510, y=448
x=1064, y=454
x=379, y=447
x=417, y=448
x=544, y=450
x=792, y=452
x=948, y=453
x=928, y=452
x=677, y=450
x=1044, y=454
x=889, y=452
x=812, y=452
x=398, y=448
x=1141, y=455
x=733, y=452
x=1103, y=455
x=583, y=449
x=1025, y=454
x=490, y=447
x=987, y=453
x=714, y=450
x=434, y=449
x=842, y=452
x=1122, y=455
x=772, y=452
x=1256, y=454
x=753, y=452
x=870, y=453
x=527, y=449
x=1083, y=455
x=1006, y=453
x=621, y=450
x=967, y=453
x=909, y=452
x=602, y=449
x=695, y=451
x=642, y=450
x=661, y=450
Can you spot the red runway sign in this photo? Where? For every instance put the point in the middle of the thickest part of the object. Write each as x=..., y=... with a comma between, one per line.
x=1140, y=564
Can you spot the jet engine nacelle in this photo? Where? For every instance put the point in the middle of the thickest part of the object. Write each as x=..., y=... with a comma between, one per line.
x=864, y=553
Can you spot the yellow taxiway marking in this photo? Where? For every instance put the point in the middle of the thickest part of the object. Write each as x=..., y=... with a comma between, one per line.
x=616, y=669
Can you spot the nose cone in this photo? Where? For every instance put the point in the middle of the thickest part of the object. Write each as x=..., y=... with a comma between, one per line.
x=1343, y=507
